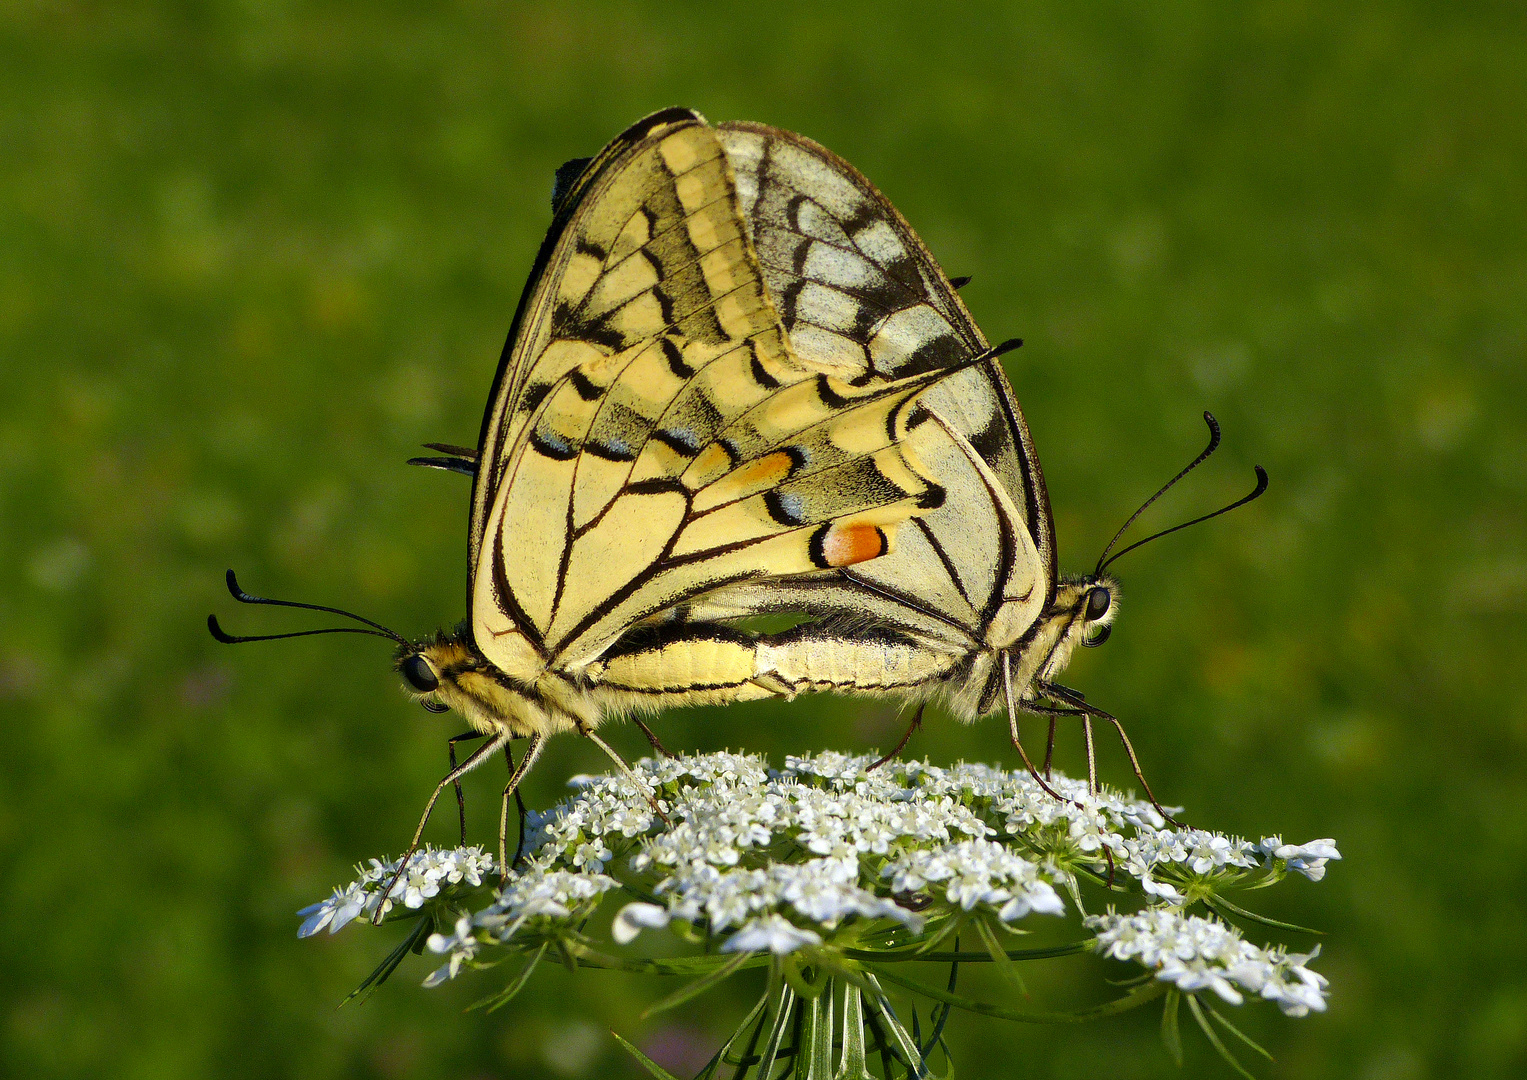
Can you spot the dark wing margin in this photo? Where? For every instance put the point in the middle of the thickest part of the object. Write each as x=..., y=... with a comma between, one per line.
x=504, y=385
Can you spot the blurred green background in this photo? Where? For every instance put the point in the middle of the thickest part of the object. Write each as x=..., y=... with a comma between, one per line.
x=252, y=254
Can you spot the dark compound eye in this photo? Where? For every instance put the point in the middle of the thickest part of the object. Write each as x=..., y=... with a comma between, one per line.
x=1098, y=599
x=419, y=674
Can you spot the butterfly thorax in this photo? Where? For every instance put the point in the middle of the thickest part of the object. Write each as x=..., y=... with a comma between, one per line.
x=1079, y=614
x=450, y=671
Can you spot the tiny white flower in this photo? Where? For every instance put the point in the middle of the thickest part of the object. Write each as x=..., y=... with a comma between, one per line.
x=462, y=945
x=1197, y=974
x=634, y=918
x=1308, y=859
x=335, y=912
x=771, y=933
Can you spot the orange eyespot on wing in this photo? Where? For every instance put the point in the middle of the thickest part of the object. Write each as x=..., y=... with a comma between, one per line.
x=847, y=544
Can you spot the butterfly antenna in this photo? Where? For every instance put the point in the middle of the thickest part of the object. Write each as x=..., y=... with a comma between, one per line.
x=378, y=630
x=1195, y=463
x=1104, y=560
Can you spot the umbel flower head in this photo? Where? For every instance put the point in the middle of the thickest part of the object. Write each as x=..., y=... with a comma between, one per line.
x=835, y=876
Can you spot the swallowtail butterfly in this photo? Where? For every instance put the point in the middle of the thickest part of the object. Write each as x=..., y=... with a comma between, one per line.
x=738, y=384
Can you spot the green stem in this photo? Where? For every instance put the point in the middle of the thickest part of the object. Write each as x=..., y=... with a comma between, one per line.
x=680, y=965
x=900, y=955
x=1134, y=1000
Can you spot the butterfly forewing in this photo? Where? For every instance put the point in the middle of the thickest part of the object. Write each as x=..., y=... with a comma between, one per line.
x=656, y=435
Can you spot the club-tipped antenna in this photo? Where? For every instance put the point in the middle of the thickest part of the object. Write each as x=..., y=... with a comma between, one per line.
x=1256, y=493
x=1104, y=560
x=378, y=630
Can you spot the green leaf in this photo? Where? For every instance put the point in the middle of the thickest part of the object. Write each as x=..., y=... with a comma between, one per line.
x=699, y=986
x=853, y=1065
x=421, y=929
x=516, y=984
x=678, y=965
x=652, y=1067
x=1219, y=902
x=784, y=1006
x=1132, y=1000
x=1238, y=1033
x=905, y=1046
x=816, y=1036
x=1171, y=1036
x=755, y=1013
x=797, y=980
x=1214, y=1039
x=1049, y=952
x=1004, y=963
x=569, y=956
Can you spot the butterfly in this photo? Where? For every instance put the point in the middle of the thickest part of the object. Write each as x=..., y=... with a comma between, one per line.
x=737, y=384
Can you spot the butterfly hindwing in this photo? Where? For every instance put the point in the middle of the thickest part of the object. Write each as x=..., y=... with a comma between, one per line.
x=858, y=291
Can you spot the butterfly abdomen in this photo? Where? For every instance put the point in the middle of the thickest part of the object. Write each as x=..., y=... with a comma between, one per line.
x=819, y=657
x=677, y=663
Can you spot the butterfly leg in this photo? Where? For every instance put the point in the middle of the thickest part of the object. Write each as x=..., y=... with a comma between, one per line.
x=625, y=769
x=474, y=759
x=1012, y=721
x=1075, y=698
x=1092, y=756
x=917, y=722
x=516, y=774
x=461, y=800
x=1054, y=712
x=652, y=738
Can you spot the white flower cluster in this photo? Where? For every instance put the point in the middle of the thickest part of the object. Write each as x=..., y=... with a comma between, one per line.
x=554, y=897
x=821, y=891
x=1195, y=953
x=429, y=871
x=780, y=860
x=975, y=872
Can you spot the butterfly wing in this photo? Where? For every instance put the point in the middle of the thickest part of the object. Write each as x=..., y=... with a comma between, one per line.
x=652, y=435
x=858, y=292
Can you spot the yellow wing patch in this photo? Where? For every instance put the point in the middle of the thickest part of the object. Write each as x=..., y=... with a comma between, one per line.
x=665, y=439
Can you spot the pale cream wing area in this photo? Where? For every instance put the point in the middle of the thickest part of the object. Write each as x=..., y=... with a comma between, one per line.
x=858, y=291
x=653, y=436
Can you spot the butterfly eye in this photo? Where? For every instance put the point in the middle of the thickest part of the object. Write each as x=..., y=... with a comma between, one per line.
x=1098, y=599
x=1098, y=638
x=420, y=675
